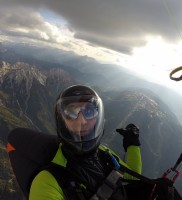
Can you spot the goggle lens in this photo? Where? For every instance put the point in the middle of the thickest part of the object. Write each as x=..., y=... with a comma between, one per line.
x=89, y=111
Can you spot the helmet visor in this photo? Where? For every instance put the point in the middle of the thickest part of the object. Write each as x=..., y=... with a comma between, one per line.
x=85, y=127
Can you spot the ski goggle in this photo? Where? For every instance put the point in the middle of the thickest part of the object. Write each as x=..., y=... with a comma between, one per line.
x=89, y=111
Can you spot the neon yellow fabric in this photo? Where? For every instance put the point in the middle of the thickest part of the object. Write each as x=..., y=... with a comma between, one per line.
x=59, y=158
x=45, y=186
x=133, y=160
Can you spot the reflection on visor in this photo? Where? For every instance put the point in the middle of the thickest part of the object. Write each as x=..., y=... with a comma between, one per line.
x=89, y=111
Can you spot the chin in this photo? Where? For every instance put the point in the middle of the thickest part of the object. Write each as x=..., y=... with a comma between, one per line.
x=83, y=133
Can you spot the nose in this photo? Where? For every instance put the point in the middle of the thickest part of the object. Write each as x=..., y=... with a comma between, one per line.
x=81, y=119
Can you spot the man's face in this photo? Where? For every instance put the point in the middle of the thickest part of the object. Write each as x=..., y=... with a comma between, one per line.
x=82, y=124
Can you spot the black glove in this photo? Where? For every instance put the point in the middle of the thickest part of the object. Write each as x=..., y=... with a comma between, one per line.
x=130, y=136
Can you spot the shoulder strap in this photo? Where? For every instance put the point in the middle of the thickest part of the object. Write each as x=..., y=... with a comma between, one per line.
x=123, y=169
x=67, y=181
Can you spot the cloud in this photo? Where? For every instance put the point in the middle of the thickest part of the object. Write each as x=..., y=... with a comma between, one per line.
x=28, y=23
x=118, y=24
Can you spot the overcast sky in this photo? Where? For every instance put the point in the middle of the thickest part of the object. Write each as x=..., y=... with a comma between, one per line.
x=143, y=35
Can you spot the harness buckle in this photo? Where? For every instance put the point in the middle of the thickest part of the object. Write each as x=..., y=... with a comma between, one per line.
x=109, y=185
x=169, y=171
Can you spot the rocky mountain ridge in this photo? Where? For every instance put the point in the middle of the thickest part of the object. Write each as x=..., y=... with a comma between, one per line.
x=20, y=84
x=18, y=72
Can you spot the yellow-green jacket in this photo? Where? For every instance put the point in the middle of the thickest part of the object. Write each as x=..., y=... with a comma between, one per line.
x=45, y=186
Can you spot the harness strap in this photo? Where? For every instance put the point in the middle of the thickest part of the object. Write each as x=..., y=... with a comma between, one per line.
x=122, y=169
x=108, y=186
x=66, y=180
x=136, y=175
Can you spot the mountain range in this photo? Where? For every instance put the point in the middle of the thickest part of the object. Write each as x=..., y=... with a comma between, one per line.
x=31, y=79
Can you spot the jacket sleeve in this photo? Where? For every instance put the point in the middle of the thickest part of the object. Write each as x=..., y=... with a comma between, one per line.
x=133, y=160
x=45, y=187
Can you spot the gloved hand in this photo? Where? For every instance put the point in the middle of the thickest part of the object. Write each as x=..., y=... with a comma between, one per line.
x=130, y=136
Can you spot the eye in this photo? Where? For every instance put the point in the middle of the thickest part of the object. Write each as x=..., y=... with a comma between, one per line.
x=90, y=112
